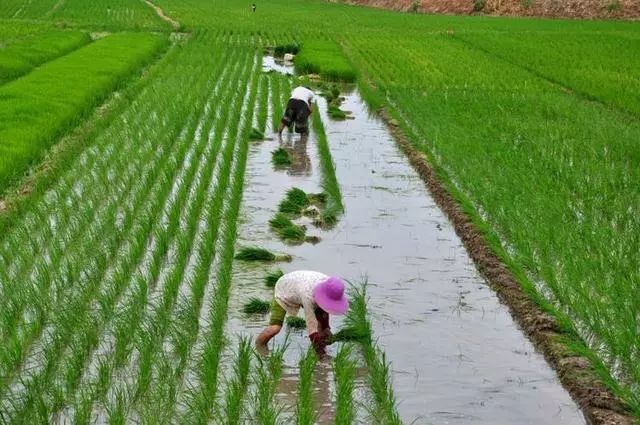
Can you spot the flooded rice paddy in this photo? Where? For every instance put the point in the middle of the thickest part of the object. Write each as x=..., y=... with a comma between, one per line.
x=457, y=356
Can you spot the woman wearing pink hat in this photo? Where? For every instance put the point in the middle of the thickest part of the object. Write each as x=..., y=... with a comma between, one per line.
x=318, y=294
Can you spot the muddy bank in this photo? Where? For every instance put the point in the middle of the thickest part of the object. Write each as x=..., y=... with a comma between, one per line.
x=583, y=9
x=598, y=403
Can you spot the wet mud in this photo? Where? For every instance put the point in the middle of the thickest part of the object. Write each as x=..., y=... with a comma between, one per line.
x=457, y=355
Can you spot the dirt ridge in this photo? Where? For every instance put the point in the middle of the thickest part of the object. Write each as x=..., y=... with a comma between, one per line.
x=599, y=405
x=577, y=9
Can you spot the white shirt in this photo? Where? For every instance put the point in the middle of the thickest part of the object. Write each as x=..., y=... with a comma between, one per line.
x=303, y=93
x=294, y=290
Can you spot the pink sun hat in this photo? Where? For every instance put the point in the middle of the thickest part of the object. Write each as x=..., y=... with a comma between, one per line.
x=329, y=295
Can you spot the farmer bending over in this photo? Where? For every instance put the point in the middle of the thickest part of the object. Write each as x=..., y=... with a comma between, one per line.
x=318, y=294
x=299, y=107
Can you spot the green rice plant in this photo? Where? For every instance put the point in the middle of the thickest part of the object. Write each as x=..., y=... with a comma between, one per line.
x=286, y=229
x=34, y=116
x=336, y=113
x=266, y=410
x=294, y=202
x=281, y=49
x=305, y=410
x=256, y=134
x=292, y=234
x=255, y=254
x=333, y=206
x=256, y=306
x=295, y=322
x=272, y=277
x=22, y=56
x=350, y=334
x=324, y=57
x=237, y=388
x=384, y=407
x=280, y=221
x=280, y=158
x=345, y=375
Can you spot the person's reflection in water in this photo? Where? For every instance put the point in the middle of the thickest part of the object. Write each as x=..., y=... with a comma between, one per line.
x=297, y=148
x=322, y=394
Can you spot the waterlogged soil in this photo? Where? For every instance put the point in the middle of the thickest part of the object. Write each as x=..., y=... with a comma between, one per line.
x=457, y=356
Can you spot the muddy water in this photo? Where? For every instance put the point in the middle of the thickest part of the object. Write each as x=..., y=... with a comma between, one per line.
x=456, y=354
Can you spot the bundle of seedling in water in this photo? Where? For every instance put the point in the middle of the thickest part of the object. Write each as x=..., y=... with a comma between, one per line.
x=256, y=306
x=280, y=158
x=255, y=253
x=332, y=95
x=296, y=203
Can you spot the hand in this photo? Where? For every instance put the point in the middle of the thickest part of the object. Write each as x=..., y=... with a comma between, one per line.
x=319, y=342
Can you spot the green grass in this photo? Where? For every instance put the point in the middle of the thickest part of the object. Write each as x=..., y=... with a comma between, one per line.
x=22, y=56
x=324, y=57
x=36, y=109
x=256, y=306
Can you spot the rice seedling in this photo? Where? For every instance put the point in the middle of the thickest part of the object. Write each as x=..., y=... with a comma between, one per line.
x=345, y=374
x=236, y=390
x=324, y=57
x=286, y=229
x=295, y=322
x=272, y=277
x=256, y=306
x=336, y=113
x=256, y=134
x=351, y=333
x=255, y=254
x=280, y=50
x=305, y=410
x=22, y=56
x=73, y=89
x=384, y=408
x=280, y=158
x=333, y=206
x=266, y=410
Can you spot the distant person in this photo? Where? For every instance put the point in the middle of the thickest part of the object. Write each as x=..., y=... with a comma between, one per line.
x=253, y=7
x=319, y=296
x=299, y=107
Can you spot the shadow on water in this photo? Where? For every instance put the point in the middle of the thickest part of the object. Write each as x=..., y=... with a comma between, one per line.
x=457, y=356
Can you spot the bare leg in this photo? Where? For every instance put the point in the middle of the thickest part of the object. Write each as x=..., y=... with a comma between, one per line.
x=265, y=336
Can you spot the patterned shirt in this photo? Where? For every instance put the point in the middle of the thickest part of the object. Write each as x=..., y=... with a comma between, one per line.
x=294, y=290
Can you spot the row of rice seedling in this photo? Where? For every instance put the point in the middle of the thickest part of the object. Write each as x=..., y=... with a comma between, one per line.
x=383, y=409
x=22, y=56
x=183, y=331
x=203, y=388
x=560, y=203
x=333, y=206
x=49, y=101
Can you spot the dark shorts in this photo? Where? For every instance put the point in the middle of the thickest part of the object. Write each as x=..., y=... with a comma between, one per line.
x=297, y=113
